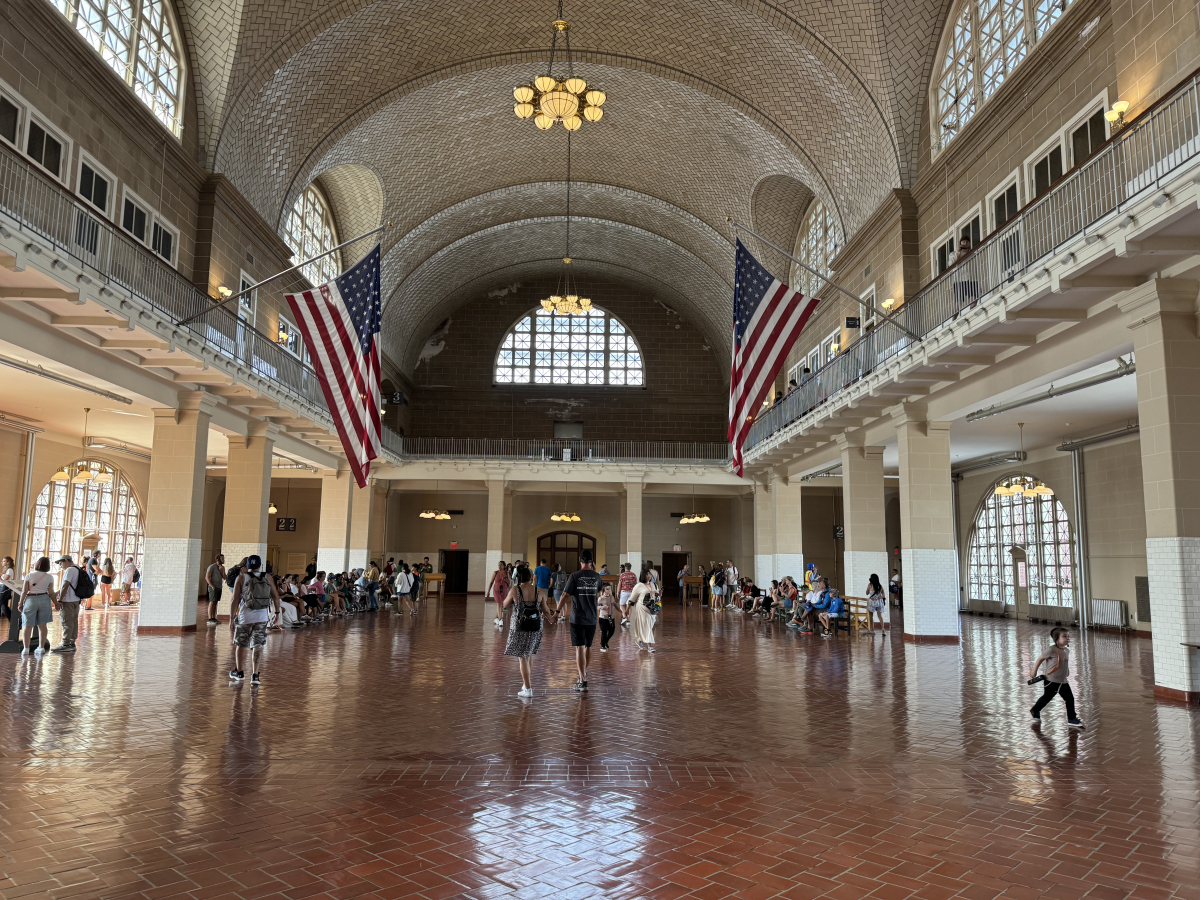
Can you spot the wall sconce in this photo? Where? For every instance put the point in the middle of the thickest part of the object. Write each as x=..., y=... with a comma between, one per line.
x=284, y=337
x=271, y=509
x=1116, y=115
x=889, y=304
x=224, y=292
x=834, y=347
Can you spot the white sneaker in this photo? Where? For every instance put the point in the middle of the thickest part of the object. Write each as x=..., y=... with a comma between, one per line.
x=497, y=622
x=38, y=651
x=525, y=692
x=24, y=651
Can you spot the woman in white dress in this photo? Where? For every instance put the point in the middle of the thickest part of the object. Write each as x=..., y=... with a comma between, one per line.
x=643, y=605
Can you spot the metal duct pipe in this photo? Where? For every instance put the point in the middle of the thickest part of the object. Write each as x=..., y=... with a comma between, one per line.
x=62, y=379
x=990, y=462
x=1123, y=369
x=1100, y=438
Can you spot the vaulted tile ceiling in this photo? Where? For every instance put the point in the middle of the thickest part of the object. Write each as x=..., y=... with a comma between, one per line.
x=402, y=111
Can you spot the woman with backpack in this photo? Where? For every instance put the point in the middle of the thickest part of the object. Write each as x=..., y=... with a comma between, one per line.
x=644, y=605
x=525, y=631
x=405, y=587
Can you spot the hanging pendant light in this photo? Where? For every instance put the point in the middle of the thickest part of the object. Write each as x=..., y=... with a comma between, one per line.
x=61, y=475
x=554, y=100
x=565, y=516
x=1022, y=485
x=437, y=512
x=695, y=518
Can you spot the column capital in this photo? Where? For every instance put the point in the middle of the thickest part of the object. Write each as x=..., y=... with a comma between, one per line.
x=1151, y=300
x=846, y=440
x=906, y=413
x=198, y=401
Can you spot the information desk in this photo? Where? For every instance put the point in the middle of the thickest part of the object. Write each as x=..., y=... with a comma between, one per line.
x=438, y=578
x=693, y=587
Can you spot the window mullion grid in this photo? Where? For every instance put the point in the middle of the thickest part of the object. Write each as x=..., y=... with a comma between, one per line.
x=1030, y=25
x=135, y=40
x=976, y=58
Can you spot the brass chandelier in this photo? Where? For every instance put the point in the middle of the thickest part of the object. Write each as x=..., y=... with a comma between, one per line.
x=694, y=518
x=1023, y=485
x=565, y=516
x=565, y=301
x=549, y=99
x=437, y=512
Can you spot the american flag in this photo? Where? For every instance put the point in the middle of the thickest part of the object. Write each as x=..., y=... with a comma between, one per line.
x=340, y=323
x=768, y=316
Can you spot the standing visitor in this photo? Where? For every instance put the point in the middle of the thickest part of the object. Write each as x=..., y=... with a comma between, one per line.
x=703, y=576
x=731, y=574
x=717, y=583
x=310, y=571
x=214, y=578
x=625, y=585
x=498, y=587
x=876, y=603
x=896, y=589
x=128, y=577
x=582, y=593
x=35, y=606
x=642, y=606
x=543, y=578
x=604, y=612
x=525, y=632
x=74, y=586
x=404, y=590
x=372, y=576
x=1058, y=669
x=8, y=586
x=683, y=573
x=560, y=582
x=108, y=577
x=254, y=595
x=94, y=573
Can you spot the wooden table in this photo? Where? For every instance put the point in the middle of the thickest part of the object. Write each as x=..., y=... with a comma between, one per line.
x=431, y=578
x=693, y=581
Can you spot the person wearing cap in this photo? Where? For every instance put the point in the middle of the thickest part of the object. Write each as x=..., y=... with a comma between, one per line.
x=67, y=603
x=254, y=595
x=127, y=580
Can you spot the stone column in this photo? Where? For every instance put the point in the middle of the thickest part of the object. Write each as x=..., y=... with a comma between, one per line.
x=624, y=557
x=247, y=495
x=789, y=543
x=362, y=507
x=863, y=512
x=506, y=536
x=633, y=523
x=171, y=567
x=1163, y=318
x=764, y=534
x=927, y=528
x=333, y=538
x=495, y=530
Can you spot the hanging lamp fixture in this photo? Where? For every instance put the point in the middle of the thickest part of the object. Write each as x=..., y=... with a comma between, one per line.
x=84, y=473
x=564, y=99
x=565, y=516
x=565, y=301
x=437, y=512
x=1023, y=485
x=695, y=518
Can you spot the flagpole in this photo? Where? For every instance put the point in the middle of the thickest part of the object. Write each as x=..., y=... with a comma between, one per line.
x=824, y=278
x=299, y=265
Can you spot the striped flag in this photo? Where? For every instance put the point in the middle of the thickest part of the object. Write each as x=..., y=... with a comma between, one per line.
x=340, y=323
x=768, y=316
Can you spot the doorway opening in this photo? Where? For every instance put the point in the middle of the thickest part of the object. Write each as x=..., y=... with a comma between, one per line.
x=562, y=548
x=453, y=563
x=671, y=564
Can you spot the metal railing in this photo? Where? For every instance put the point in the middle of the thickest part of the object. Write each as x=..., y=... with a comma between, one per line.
x=38, y=206
x=556, y=450
x=1131, y=164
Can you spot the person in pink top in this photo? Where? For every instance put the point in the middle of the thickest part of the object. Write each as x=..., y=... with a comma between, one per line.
x=498, y=588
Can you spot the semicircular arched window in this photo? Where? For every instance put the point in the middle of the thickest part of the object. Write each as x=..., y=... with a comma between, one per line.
x=546, y=348
x=983, y=42
x=309, y=230
x=137, y=38
x=1021, y=542
x=816, y=246
x=86, y=504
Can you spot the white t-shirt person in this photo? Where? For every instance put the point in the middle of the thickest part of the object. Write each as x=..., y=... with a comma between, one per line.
x=66, y=589
x=127, y=573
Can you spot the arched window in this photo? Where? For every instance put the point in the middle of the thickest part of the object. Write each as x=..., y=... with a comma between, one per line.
x=983, y=43
x=816, y=246
x=137, y=40
x=308, y=231
x=88, y=502
x=546, y=348
x=1038, y=526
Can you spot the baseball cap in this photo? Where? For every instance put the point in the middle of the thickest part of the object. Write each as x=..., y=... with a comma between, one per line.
x=65, y=559
x=253, y=563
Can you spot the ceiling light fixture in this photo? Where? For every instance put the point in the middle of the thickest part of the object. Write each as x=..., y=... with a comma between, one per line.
x=1023, y=485
x=565, y=516
x=437, y=512
x=695, y=518
x=565, y=301
x=549, y=99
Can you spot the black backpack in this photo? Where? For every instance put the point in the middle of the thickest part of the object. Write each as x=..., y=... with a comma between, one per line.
x=529, y=616
x=232, y=575
x=719, y=578
x=84, y=586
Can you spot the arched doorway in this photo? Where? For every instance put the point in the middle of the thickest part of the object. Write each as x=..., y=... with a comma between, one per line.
x=562, y=548
x=86, y=505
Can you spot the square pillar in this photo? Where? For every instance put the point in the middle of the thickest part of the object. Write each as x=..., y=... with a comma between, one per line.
x=624, y=553
x=764, y=534
x=333, y=537
x=927, y=528
x=495, y=530
x=247, y=495
x=171, y=569
x=633, y=524
x=789, y=547
x=863, y=512
x=1163, y=320
x=506, y=542
x=362, y=507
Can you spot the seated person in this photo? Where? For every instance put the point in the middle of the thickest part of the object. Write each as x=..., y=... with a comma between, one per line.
x=289, y=606
x=835, y=608
x=770, y=598
x=788, y=593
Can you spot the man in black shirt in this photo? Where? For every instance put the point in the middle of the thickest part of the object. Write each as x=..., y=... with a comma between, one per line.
x=582, y=591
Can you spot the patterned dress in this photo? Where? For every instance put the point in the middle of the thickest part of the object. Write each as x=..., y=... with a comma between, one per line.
x=524, y=643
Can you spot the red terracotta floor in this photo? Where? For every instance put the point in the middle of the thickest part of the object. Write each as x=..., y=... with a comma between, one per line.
x=388, y=757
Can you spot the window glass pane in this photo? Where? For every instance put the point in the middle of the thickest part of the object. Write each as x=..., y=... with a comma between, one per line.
x=309, y=231
x=567, y=350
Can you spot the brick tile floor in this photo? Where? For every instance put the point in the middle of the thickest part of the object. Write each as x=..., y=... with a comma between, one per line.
x=387, y=757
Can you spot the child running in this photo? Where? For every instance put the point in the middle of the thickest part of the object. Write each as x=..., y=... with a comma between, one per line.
x=1057, y=660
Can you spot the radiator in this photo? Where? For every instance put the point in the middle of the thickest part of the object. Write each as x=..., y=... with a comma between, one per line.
x=1110, y=613
x=985, y=607
x=1059, y=615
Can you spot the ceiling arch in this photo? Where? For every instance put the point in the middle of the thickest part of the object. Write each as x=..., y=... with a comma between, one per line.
x=355, y=196
x=777, y=211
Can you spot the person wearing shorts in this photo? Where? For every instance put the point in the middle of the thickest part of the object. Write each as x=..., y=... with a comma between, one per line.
x=249, y=626
x=625, y=584
x=543, y=579
x=583, y=592
x=214, y=579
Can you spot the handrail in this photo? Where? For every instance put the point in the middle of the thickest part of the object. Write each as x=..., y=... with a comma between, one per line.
x=581, y=451
x=1129, y=165
x=44, y=208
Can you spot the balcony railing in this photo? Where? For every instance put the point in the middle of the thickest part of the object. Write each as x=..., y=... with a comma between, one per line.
x=1127, y=167
x=557, y=450
x=39, y=206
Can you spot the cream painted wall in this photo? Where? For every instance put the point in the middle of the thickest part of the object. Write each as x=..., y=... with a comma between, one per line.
x=409, y=537
x=1116, y=513
x=12, y=473
x=601, y=515
x=707, y=541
